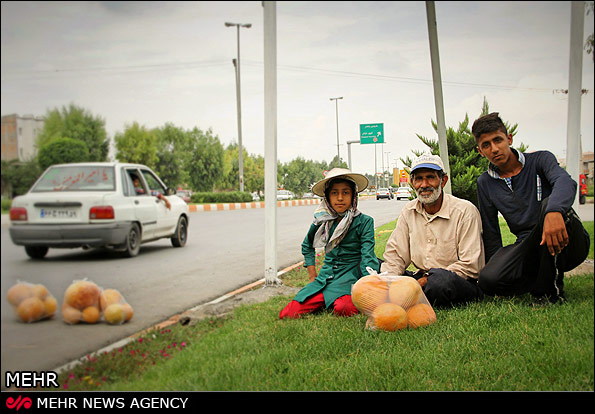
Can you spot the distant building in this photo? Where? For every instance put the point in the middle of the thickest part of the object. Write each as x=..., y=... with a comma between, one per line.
x=585, y=166
x=19, y=136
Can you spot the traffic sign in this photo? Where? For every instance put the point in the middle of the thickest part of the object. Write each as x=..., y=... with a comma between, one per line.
x=371, y=133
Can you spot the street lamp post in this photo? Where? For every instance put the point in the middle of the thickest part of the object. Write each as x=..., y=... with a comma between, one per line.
x=337, y=113
x=236, y=64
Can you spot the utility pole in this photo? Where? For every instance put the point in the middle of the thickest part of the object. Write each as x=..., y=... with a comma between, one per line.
x=236, y=64
x=337, y=116
x=438, y=99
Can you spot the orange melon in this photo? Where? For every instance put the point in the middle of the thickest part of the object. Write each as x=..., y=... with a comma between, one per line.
x=19, y=292
x=389, y=317
x=40, y=291
x=91, y=314
x=421, y=314
x=82, y=294
x=71, y=315
x=369, y=292
x=128, y=311
x=31, y=309
x=404, y=291
x=50, y=304
x=109, y=297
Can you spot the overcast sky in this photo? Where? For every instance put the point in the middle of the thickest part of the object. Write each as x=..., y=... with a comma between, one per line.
x=160, y=62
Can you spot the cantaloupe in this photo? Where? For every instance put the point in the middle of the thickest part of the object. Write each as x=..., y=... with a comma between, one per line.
x=31, y=309
x=40, y=291
x=50, y=304
x=389, y=317
x=19, y=292
x=421, y=314
x=71, y=315
x=109, y=297
x=404, y=291
x=128, y=311
x=82, y=294
x=91, y=314
x=369, y=292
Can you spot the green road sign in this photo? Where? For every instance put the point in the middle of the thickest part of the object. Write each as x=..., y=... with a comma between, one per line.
x=371, y=133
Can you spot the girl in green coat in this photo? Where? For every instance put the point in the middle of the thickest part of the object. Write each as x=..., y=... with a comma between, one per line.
x=347, y=236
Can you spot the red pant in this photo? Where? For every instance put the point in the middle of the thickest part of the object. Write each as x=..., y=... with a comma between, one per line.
x=343, y=306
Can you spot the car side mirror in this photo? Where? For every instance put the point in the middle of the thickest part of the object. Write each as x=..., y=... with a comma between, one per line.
x=170, y=191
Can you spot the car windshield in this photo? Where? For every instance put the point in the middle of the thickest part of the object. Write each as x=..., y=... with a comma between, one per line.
x=76, y=178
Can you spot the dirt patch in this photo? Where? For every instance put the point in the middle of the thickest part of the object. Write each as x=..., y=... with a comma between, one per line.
x=258, y=295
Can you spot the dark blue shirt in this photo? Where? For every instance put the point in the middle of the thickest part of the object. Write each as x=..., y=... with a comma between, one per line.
x=520, y=204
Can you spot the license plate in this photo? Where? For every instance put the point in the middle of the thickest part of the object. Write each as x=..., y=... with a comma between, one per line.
x=57, y=213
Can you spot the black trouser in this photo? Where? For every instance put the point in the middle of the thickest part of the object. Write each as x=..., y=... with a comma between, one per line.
x=525, y=266
x=445, y=288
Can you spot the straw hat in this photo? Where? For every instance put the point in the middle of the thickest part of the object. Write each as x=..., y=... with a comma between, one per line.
x=360, y=180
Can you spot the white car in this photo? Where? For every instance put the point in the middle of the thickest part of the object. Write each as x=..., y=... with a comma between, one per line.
x=284, y=195
x=403, y=192
x=383, y=193
x=106, y=204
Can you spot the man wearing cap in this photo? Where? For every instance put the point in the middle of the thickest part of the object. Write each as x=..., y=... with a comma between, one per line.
x=440, y=235
x=347, y=237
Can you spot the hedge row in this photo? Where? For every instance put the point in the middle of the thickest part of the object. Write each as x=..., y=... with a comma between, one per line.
x=227, y=197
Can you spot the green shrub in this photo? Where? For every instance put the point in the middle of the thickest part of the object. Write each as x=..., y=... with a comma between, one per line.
x=6, y=205
x=226, y=197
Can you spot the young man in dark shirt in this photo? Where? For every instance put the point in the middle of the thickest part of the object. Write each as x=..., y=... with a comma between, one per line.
x=534, y=195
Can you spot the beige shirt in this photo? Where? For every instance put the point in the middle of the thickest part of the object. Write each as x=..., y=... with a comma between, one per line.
x=450, y=239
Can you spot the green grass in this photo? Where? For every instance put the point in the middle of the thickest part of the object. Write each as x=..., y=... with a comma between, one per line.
x=496, y=344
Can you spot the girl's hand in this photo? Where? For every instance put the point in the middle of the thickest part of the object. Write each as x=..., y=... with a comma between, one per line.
x=312, y=273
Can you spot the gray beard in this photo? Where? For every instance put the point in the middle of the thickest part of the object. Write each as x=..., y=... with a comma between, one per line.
x=432, y=198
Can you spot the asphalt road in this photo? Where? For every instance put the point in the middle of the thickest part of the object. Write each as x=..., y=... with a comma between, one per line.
x=225, y=251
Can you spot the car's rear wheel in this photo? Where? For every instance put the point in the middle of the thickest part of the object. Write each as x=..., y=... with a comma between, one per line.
x=133, y=240
x=181, y=234
x=36, y=252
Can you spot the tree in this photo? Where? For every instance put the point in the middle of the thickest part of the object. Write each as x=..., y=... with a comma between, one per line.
x=589, y=46
x=206, y=160
x=466, y=164
x=62, y=150
x=76, y=123
x=301, y=174
x=18, y=177
x=254, y=173
x=137, y=144
x=173, y=155
x=337, y=163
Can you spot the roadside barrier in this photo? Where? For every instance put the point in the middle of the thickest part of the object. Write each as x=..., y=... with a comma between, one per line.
x=254, y=204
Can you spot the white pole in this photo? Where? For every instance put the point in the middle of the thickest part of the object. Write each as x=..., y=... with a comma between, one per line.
x=270, y=143
x=573, y=134
x=349, y=153
x=438, y=99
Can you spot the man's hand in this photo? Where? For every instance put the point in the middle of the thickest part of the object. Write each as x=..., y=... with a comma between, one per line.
x=554, y=233
x=312, y=273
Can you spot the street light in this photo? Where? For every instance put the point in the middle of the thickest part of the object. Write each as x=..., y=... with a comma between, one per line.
x=337, y=112
x=236, y=64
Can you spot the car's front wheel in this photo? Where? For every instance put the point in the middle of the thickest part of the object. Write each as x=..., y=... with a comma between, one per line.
x=181, y=234
x=133, y=240
x=36, y=252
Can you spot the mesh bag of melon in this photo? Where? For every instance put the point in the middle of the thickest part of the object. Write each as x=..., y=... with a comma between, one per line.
x=392, y=302
x=115, y=309
x=31, y=302
x=86, y=302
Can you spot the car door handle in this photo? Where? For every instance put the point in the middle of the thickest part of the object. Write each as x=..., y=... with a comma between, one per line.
x=135, y=201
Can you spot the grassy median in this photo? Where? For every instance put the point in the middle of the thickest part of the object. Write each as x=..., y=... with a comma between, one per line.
x=496, y=344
